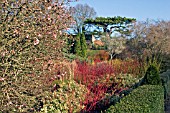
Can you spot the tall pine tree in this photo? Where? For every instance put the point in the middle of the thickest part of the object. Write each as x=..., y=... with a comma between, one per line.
x=83, y=46
x=77, y=45
x=80, y=47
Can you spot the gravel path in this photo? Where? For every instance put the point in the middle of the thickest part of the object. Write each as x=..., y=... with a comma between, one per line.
x=167, y=104
x=166, y=75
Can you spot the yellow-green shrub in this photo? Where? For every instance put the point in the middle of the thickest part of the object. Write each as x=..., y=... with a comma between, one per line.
x=67, y=98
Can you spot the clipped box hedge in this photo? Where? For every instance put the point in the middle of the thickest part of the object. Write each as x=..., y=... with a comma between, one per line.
x=144, y=99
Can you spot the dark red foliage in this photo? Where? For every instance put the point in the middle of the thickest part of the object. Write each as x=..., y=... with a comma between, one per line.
x=98, y=78
x=92, y=76
x=87, y=72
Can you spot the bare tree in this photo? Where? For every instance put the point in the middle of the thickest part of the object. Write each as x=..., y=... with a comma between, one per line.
x=154, y=34
x=114, y=45
x=80, y=13
x=151, y=40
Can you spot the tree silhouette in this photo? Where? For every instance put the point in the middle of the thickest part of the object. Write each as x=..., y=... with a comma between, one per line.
x=110, y=24
x=80, y=13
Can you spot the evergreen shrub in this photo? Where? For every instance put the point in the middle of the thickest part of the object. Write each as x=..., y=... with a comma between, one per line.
x=152, y=76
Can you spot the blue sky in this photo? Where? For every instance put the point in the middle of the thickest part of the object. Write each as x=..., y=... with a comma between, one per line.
x=139, y=9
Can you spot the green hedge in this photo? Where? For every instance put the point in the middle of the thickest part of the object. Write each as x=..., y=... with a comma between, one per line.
x=144, y=99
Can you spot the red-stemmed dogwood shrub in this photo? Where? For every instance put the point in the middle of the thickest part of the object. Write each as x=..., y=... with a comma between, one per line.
x=96, y=78
x=100, y=78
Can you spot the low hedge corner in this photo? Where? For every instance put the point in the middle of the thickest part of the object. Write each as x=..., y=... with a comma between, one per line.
x=144, y=99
